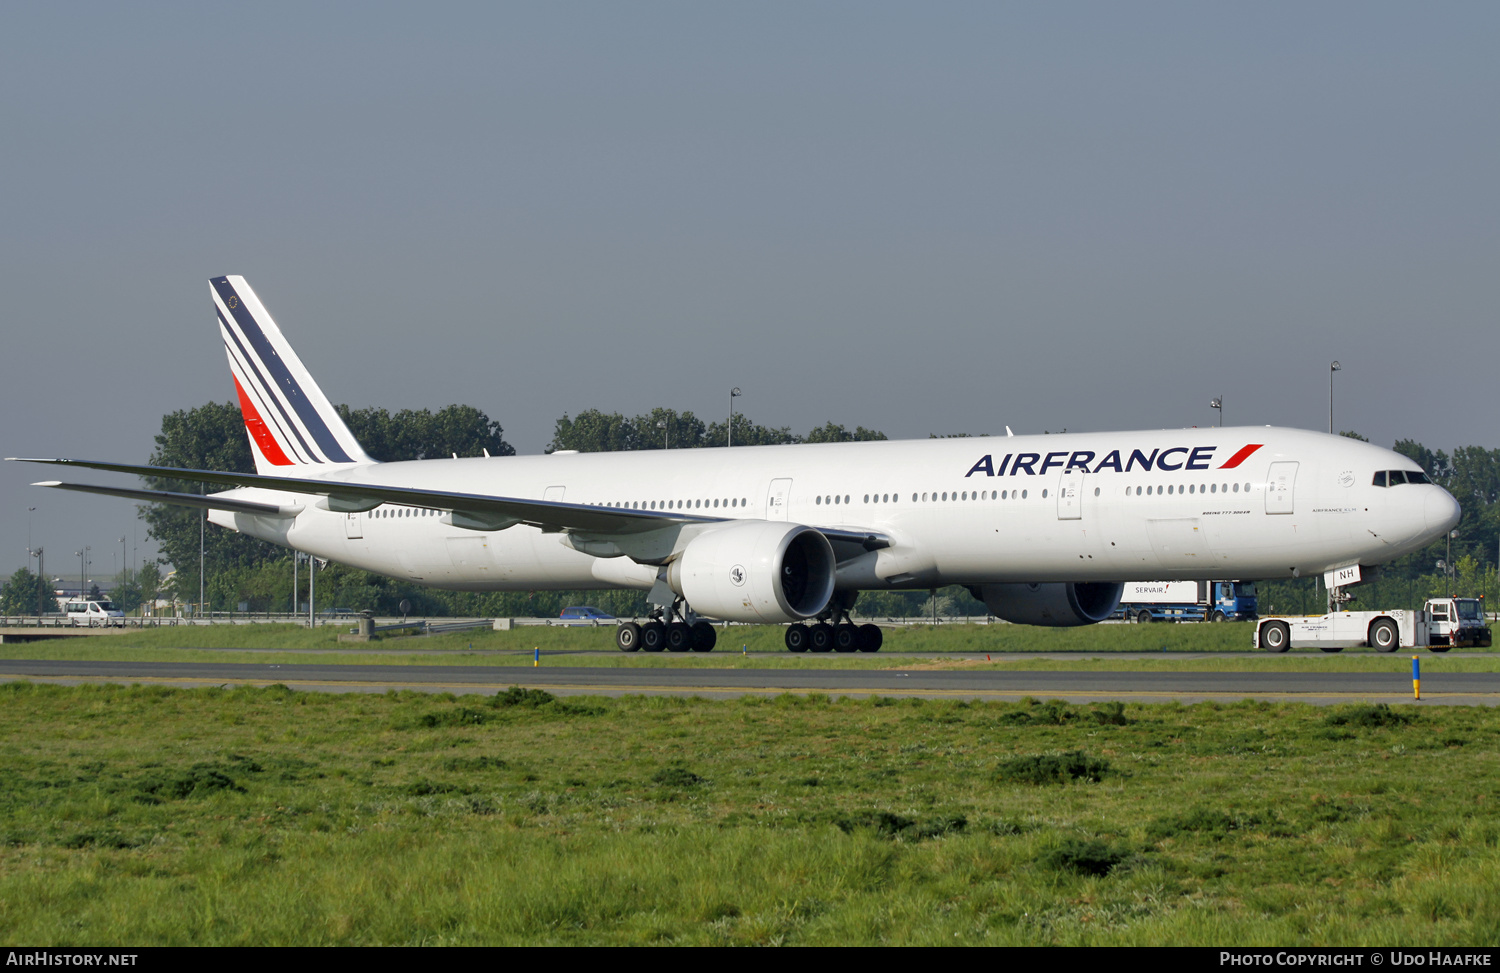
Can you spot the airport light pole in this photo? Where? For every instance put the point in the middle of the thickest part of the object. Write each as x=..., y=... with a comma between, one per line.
x=1217, y=402
x=83, y=569
x=202, y=521
x=1332, y=367
x=662, y=424
x=1448, y=574
x=41, y=572
x=733, y=394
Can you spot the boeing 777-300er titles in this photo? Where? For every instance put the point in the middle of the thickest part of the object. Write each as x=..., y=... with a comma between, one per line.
x=1043, y=529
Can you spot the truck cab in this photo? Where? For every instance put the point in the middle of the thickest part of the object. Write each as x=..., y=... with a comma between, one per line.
x=1458, y=622
x=1233, y=601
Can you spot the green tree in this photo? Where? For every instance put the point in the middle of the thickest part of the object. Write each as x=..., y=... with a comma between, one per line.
x=210, y=437
x=421, y=434
x=1434, y=463
x=1474, y=480
x=592, y=431
x=148, y=581
x=23, y=591
x=830, y=432
x=747, y=433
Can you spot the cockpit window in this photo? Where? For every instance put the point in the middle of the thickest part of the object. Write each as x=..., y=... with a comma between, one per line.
x=1400, y=477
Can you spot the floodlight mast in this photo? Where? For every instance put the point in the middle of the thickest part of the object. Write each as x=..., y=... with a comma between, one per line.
x=1332, y=367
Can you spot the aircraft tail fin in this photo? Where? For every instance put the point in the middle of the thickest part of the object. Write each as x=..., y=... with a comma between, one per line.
x=293, y=428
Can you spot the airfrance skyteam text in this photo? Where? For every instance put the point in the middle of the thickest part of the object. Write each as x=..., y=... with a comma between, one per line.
x=1082, y=460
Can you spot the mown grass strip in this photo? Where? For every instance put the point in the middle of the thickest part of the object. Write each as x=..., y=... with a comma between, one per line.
x=270, y=816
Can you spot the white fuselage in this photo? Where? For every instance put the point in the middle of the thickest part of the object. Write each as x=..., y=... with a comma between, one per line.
x=1075, y=507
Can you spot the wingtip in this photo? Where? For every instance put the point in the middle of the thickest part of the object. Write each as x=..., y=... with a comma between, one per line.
x=49, y=483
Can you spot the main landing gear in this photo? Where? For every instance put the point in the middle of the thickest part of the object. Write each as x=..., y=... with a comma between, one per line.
x=664, y=633
x=834, y=632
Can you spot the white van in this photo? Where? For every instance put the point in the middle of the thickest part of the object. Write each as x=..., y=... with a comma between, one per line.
x=93, y=613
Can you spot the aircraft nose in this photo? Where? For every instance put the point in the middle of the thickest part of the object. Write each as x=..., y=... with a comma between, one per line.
x=1440, y=511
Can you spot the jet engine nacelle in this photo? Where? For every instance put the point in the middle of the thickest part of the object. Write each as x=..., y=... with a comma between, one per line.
x=755, y=571
x=1058, y=604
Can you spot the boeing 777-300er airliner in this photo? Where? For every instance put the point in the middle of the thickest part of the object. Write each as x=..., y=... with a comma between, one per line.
x=1043, y=529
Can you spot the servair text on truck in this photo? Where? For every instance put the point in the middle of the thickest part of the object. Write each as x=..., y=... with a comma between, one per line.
x=1188, y=601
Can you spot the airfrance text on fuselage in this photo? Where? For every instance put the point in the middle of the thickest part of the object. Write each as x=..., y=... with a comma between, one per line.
x=1082, y=460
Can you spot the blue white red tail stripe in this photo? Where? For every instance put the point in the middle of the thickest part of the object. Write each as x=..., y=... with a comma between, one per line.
x=289, y=420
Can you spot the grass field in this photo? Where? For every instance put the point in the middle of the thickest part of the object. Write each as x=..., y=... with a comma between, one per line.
x=164, y=816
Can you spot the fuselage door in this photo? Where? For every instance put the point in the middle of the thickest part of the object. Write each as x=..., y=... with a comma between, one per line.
x=776, y=500
x=1279, y=488
x=1070, y=495
x=1179, y=544
x=354, y=526
x=555, y=494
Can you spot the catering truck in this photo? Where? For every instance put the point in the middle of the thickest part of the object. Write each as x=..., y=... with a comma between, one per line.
x=1441, y=624
x=1187, y=601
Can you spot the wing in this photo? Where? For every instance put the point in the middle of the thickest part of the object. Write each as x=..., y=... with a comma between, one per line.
x=475, y=511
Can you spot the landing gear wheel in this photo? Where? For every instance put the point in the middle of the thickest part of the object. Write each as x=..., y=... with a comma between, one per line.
x=653, y=636
x=796, y=638
x=871, y=637
x=1384, y=637
x=1143, y=617
x=628, y=637
x=845, y=638
x=679, y=637
x=820, y=639
x=704, y=637
x=1275, y=637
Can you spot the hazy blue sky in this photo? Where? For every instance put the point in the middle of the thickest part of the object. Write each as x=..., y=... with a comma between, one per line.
x=917, y=217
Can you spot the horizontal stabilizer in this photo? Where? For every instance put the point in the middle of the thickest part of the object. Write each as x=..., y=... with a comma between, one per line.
x=179, y=499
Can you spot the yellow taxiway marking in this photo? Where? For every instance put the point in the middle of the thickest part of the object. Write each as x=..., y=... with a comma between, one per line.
x=841, y=691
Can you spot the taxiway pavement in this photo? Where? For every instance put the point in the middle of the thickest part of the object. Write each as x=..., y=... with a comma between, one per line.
x=1479, y=688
